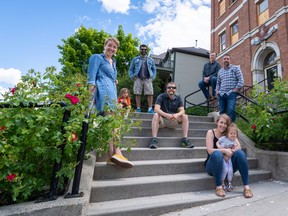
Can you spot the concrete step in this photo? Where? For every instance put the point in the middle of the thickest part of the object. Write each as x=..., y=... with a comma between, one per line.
x=126, y=188
x=141, y=116
x=192, y=124
x=200, y=203
x=152, y=205
x=144, y=141
x=162, y=153
x=154, y=168
x=167, y=132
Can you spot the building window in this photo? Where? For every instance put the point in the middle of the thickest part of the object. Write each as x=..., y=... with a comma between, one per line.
x=232, y=1
x=234, y=32
x=221, y=7
x=222, y=38
x=271, y=70
x=263, y=11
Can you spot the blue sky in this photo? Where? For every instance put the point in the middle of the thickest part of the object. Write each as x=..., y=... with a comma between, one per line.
x=32, y=29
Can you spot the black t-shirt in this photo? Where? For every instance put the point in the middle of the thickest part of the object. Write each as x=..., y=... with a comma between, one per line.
x=169, y=105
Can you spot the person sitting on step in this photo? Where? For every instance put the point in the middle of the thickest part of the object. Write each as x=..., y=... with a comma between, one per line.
x=214, y=161
x=169, y=112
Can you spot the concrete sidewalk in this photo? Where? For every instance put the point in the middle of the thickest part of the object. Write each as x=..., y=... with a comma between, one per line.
x=270, y=198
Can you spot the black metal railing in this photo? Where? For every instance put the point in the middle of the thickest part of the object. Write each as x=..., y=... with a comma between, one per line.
x=243, y=95
x=80, y=156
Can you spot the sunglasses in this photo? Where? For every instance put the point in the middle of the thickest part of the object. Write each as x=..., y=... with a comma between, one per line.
x=171, y=87
x=143, y=49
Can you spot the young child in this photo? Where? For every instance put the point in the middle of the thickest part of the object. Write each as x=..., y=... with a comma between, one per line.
x=124, y=100
x=228, y=141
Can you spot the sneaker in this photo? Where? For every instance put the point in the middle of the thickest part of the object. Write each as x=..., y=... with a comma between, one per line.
x=109, y=162
x=186, y=143
x=138, y=110
x=154, y=144
x=121, y=161
x=151, y=111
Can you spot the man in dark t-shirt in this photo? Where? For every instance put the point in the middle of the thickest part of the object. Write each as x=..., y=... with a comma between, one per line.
x=169, y=112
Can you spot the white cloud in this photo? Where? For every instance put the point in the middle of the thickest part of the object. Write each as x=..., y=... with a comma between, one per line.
x=8, y=78
x=176, y=23
x=116, y=6
x=10, y=75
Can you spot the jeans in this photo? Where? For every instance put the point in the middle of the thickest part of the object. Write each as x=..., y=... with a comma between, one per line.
x=214, y=166
x=227, y=104
x=203, y=86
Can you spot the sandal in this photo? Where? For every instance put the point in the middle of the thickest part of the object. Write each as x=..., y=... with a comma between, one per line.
x=247, y=193
x=220, y=192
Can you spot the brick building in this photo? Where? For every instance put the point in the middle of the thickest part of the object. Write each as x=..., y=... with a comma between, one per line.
x=255, y=34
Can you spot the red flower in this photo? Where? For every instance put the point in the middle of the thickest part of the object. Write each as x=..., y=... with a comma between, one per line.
x=74, y=100
x=78, y=84
x=253, y=126
x=3, y=127
x=10, y=177
x=13, y=90
x=74, y=136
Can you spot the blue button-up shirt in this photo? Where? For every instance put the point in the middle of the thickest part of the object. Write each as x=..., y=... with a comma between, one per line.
x=228, y=79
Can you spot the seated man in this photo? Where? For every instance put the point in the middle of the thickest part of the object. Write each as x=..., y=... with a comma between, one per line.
x=169, y=112
x=209, y=74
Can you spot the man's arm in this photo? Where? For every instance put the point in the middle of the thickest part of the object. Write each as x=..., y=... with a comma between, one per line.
x=153, y=68
x=131, y=69
x=240, y=79
x=157, y=109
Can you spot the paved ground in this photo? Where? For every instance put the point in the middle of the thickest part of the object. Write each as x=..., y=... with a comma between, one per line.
x=270, y=199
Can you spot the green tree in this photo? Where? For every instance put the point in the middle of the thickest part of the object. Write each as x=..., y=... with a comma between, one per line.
x=77, y=49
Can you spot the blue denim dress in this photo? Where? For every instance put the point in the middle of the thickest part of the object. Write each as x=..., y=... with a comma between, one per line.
x=102, y=74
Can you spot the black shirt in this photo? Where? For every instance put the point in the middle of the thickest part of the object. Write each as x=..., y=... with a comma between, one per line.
x=169, y=105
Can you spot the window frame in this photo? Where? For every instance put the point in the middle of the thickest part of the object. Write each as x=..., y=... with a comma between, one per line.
x=222, y=43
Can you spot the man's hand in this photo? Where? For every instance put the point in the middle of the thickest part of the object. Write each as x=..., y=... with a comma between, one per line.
x=206, y=79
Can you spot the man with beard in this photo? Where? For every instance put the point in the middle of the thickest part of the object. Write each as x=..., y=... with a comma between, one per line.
x=229, y=81
x=170, y=112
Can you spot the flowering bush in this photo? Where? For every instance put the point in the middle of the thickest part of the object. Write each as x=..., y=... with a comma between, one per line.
x=267, y=124
x=30, y=136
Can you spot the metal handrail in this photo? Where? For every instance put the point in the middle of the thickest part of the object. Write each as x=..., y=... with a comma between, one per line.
x=81, y=152
x=244, y=89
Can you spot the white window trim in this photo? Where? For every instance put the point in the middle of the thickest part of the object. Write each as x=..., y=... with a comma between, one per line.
x=233, y=21
x=220, y=32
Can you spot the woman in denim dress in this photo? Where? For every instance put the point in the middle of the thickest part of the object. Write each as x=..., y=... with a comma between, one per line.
x=102, y=74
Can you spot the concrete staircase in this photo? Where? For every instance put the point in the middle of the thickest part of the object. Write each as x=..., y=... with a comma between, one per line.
x=167, y=179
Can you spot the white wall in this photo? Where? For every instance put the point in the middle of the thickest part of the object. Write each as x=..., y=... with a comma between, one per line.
x=188, y=72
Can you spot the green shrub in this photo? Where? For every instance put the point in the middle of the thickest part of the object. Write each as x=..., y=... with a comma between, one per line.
x=30, y=137
x=267, y=126
x=198, y=110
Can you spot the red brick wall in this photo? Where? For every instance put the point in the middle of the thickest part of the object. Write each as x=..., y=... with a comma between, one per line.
x=247, y=23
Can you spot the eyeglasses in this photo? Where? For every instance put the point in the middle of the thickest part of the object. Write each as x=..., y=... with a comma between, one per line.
x=171, y=87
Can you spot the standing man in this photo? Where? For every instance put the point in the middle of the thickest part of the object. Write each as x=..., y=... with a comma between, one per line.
x=143, y=71
x=170, y=112
x=229, y=81
x=209, y=75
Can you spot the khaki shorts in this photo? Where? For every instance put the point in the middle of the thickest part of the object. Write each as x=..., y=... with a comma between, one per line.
x=139, y=84
x=166, y=123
